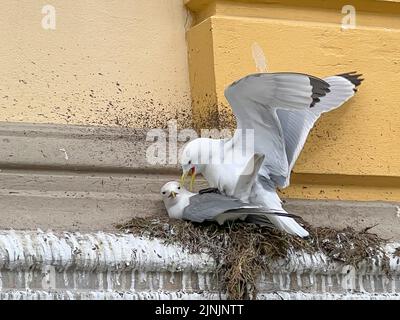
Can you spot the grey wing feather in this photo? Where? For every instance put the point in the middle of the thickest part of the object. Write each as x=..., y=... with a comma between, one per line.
x=296, y=125
x=254, y=100
x=208, y=206
x=282, y=108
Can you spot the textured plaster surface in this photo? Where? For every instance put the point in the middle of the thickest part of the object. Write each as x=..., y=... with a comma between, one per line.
x=352, y=153
x=114, y=62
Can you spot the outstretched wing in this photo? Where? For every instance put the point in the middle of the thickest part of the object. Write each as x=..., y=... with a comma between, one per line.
x=254, y=100
x=296, y=125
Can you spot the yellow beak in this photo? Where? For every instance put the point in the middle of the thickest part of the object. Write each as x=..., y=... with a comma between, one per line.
x=183, y=179
x=192, y=179
x=172, y=195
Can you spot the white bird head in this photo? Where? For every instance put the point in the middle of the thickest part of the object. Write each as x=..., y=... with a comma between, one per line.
x=175, y=198
x=170, y=191
x=194, y=158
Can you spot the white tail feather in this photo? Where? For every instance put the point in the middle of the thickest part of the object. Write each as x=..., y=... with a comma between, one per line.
x=289, y=225
x=266, y=196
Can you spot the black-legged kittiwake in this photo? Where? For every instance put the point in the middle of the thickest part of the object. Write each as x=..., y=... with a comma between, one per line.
x=211, y=206
x=280, y=109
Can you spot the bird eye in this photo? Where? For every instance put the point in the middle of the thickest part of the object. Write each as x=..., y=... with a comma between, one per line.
x=190, y=162
x=179, y=188
x=164, y=192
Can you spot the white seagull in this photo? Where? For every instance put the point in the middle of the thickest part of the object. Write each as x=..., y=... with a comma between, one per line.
x=281, y=109
x=210, y=205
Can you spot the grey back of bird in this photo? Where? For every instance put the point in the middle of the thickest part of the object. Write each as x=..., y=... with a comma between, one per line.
x=209, y=206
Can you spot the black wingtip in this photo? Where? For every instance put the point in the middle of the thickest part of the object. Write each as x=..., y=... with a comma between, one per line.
x=319, y=89
x=209, y=190
x=353, y=77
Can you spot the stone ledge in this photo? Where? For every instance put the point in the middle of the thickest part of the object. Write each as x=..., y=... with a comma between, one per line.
x=384, y=216
x=73, y=147
x=378, y=6
x=47, y=265
x=162, y=295
x=106, y=172
x=103, y=295
x=82, y=201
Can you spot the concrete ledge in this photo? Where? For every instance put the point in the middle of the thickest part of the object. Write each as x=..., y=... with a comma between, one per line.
x=84, y=178
x=369, y=6
x=47, y=265
x=384, y=216
x=92, y=201
x=77, y=201
x=103, y=295
x=72, y=147
x=162, y=295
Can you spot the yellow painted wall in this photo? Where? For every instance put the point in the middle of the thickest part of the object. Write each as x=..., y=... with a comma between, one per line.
x=114, y=62
x=353, y=152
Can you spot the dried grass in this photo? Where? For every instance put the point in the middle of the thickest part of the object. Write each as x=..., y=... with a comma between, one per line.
x=242, y=250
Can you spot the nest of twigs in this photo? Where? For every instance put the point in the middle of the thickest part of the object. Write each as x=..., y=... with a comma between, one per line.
x=243, y=250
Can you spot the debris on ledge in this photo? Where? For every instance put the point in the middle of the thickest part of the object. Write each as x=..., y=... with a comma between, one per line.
x=244, y=251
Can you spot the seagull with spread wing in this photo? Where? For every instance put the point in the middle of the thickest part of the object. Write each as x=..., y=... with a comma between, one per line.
x=279, y=109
